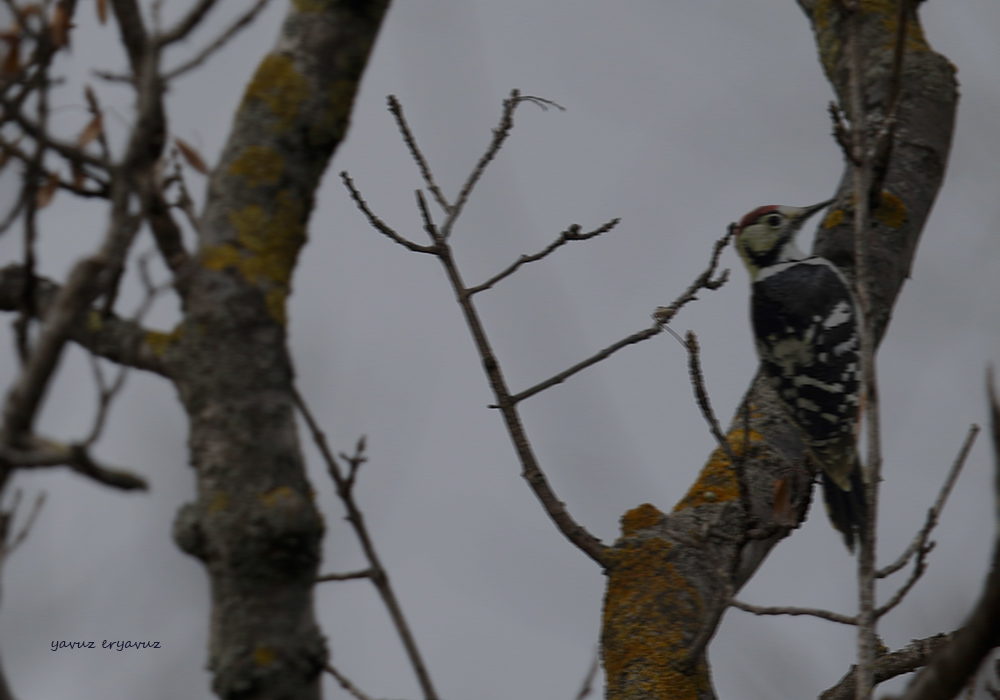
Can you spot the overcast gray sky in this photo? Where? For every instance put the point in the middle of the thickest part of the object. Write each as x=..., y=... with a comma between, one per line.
x=681, y=116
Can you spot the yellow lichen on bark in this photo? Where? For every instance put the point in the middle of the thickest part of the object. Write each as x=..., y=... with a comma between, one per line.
x=279, y=85
x=890, y=210
x=334, y=119
x=259, y=165
x=220, y=502
x=834, y=218
x=647, y=609
x=266, y=249
x=640, y=518
x=826, y=13
x=717, y=481
x=158, y=341
x=264, y=656
x=275, y=496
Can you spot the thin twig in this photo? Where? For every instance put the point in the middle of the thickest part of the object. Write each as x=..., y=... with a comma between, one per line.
x=951, y=666
x=377, y=573
x=920, y=539
x=96, y=113
x=588, y=681
x=861, y=175
x=570, y=234
x=47, y=453
x=499, y=136
x=890, y=665
x=349, y=576
x=592, y=360
x=184, y=201
x=346, y=684
x=241, y=23
x=380, y=225
x=531, y=470
x=425, y=214
x=661, y=315
x=701, y=395
x=70, y=152
x=791, y=610
x=664, y=314
x=425, y=170
x=919, y=567
x=187, y=24
x=6, y=549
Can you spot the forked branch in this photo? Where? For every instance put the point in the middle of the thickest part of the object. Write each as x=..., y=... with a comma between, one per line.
x=375, y=572
x=506, y=401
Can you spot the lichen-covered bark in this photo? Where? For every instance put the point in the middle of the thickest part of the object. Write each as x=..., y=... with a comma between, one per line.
x=671, y=574
x=254, y=523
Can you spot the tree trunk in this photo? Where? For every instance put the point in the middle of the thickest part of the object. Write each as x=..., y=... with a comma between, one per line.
x=254, y=523
x=671, y=575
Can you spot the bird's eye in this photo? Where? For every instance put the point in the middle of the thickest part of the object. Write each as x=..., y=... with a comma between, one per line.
x=774, y=220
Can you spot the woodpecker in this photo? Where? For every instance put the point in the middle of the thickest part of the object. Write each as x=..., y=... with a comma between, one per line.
x=806, y=324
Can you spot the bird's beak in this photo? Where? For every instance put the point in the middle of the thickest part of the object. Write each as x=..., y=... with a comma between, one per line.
x=809, y=211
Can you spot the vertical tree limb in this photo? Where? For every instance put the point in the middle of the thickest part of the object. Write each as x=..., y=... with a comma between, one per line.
x=254, y=523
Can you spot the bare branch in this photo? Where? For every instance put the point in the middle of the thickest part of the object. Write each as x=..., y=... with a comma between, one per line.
x=531, y=471
x=500, y=135
x=425, y=214
x=48, y=453
x=114, y=338
x=890, y=665
x=952, y=665
x=860, y=169
x=376, y=572
x=166, y=232
x=588, y=680
x=95, y=111
x=791, y=610
x=188, y=23
x=701, y=395
x=664, y=314
x=592, y=360
x=919, y=566
x=132, y=30
x=570, y=234
x=70, y=152
x=363, y=573
x=105, y=395
x=347, y=685
x=241, y=23
x=380, y=225
x=26, y=395
x=6, y=549
x=425, y=171
x=934, y=512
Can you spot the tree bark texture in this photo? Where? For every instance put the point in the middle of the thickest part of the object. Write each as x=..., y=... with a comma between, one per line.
x=254, y=523
x=670, y=576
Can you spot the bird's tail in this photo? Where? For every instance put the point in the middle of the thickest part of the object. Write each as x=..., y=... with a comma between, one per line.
x=848, y=510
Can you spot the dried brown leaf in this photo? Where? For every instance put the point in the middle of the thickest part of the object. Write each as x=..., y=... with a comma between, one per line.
x=47, y=191
x=102, y=11
x=12, y=61
x=192, y=156
x=783, y=512
x=91, y=131
x=61, y=25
